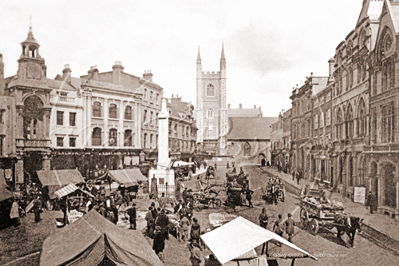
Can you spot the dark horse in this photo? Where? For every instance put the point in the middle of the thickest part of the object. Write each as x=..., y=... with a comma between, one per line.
x=350, y=229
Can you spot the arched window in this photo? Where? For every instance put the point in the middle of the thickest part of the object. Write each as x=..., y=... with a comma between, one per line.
x=113, y=137
x=113, y=111
x=210, y=90
x=128, y=113
x=362, y=39
x=33, y=124
x=151, y=139
x=96, y=137
x=350, y=78
x=349, y=123
x=128, y=138
x=362, y=119
x=339, y=124
x=97, y=109
x=359, y=73
x=247, y=149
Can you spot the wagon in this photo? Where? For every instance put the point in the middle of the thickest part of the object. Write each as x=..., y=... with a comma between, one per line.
x=234, y=197
x=315, y=214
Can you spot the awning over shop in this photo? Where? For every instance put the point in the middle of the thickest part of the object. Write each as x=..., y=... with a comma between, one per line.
x=56, y=179
x=181, y=163
x=240, y=236
x=127, y=177
x=66, y=190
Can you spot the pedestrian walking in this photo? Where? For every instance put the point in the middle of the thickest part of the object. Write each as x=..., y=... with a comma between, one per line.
x=293, y=174
x=159, y=242
x=279, y=227
x=132, y=216
x=184, y=222
x=37, y=209
x=298, y=176
x=289, y=225
x=195, y=232
x=150, y=222
x=163, y=221
x=263, y=219
x=195, y=256
x=372, y=202
x=248, y=194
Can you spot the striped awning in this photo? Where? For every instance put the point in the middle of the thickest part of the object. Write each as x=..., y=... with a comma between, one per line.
x=66, y=190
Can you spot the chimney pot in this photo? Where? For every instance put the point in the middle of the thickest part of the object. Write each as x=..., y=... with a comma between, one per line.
x=240, y=105
x=228, y=106
x=147, y=75
x=255, y=106
x=66, y=73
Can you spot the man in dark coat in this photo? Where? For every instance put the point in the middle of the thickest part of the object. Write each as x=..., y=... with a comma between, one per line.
x=293, y=174
x=289, y=227
x=372, y=202
x=263, y=219
x=248, y=194
x=163, y=221
x=37, y=204
x=279, y=227
x=159, y=241
x=132, y=216
x=195, y=232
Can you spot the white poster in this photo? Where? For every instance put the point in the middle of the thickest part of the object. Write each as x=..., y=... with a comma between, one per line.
x=359, y=195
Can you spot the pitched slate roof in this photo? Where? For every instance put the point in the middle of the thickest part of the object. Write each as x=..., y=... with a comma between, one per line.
x=250, y=128
x=244, y=112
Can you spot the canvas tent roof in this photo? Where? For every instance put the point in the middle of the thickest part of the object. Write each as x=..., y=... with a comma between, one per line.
x=91, y=238
x=56, y=179
x=239, y=236
x=181, y=163
x=127, y=177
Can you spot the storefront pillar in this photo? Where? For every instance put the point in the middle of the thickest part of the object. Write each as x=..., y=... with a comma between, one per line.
x=19, y=170
x=46, y=162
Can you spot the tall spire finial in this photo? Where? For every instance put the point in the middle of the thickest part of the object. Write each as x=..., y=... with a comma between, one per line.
x=223, y=50
x=30, y=24
x=199, y=55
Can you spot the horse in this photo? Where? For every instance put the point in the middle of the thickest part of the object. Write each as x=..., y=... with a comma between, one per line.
x=350, y=227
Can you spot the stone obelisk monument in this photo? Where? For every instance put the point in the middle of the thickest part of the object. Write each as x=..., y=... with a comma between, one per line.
x=163, y=143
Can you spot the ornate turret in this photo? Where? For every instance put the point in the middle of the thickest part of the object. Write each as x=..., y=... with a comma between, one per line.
x=30, y=47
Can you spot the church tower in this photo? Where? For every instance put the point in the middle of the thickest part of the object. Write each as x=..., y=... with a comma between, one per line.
x=212, y=107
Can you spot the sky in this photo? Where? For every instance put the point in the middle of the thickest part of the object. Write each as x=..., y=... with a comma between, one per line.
x=270, y=46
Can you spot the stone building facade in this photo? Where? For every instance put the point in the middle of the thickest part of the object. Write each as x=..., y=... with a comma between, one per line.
x=381, y=160
x=211, y=111
x=302, y=123
x=276, y=141
x=287, y=139
x=351, y=100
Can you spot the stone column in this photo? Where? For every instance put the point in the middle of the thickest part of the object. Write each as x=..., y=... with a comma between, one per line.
x=355, y=128
x=368, y=125
x=121, y=139
x=344, y=169
x=46, y=162
x=163, y=136
x=343, y=130
x=20, y=122
x=106, y=130
x=88, y=126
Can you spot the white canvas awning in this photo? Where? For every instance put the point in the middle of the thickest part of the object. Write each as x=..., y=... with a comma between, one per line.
x=181, y=163
x=66, y=190
x=240, y=236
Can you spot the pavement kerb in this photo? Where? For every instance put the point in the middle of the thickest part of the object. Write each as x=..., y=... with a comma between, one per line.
x=368, y=229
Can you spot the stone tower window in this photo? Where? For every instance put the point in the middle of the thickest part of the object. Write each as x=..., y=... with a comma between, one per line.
x=210, y=91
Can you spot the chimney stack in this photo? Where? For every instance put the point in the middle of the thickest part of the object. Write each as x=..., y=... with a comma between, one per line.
x=117, y=70
x=93, y=73
x=147, y=75
x=331, y=63
x=228, y=106
x=66, y=74
x=255, y=106
x=240, y=105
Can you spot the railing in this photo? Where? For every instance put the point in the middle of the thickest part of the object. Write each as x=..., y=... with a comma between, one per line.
x=167, y=189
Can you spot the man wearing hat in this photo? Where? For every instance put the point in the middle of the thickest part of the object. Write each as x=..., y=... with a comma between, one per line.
x=372, y=202
x=289, y=227
x=90, y=188
x=159, y=242
x=195, y=256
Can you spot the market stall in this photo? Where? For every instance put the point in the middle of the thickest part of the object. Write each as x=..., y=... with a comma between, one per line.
x=127, y=177
x=57, y=179
x=231, y=241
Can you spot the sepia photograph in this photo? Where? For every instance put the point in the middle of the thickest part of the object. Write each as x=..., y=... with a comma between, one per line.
x=198, y=132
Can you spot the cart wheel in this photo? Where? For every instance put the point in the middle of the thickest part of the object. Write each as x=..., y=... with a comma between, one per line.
x=217, y=203
x=314, y=226
x=304, y=218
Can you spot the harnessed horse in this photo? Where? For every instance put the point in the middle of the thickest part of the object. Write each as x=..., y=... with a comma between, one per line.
x=349, y=225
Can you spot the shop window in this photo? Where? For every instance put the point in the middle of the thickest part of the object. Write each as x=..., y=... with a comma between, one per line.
x=145, y=141
x=151, y=137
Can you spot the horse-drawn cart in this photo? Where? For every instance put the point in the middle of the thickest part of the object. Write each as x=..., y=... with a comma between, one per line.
x=318, y=212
